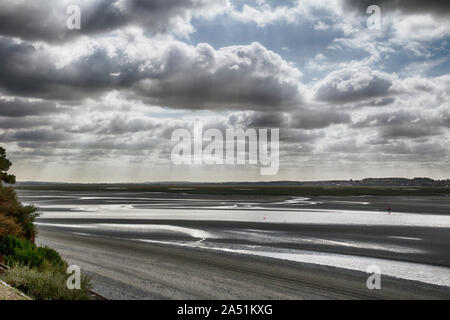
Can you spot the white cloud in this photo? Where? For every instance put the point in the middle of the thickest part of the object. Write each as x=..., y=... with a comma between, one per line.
x=422, y=27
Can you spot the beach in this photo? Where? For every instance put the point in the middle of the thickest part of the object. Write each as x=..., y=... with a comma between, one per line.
x=145, y=245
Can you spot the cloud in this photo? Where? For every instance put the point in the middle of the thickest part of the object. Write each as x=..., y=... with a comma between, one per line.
x=308, y=119
x=29, y=71
x=22, y=123
x=409, y=130
x=421, y=28
x=411, y=152
x=36, y=135
x=295, y=139
x=292, y=12
x=120, y=125
x=21, y=107
x=265, y=14
x=267, y=120
x=46, y=19
x=408, y=19
x=436, y=7
x=401, y=124
x=236, y=77
x=352, y=85
x=318, y=118
x=376, y=102
x=114, y=91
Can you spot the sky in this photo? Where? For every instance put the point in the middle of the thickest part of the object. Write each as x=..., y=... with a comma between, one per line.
x=350, y=99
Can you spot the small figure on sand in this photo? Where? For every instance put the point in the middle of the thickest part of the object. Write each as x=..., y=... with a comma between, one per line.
x=389, y=209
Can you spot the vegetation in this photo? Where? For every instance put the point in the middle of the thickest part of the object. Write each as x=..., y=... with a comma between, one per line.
x=19, y=251
x=45, y=285
x=9, y=225
x=5, y=164
x=15, y=219
x=39, y=272
x=13, y=214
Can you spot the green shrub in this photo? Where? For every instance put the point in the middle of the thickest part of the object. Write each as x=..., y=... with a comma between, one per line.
x=19, y=251
x=52, y=257
x=39, y=272
x=9, y=243
x=47, y=285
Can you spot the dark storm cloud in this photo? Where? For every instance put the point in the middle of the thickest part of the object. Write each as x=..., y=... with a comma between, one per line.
x=240, y=77
x=409, y=131
x=436, y=7
x=27, y=71
x=37, y=135
x=46, y=19
x=22, y=123
x=32, y=20
x=22, y=108
x=220, y=91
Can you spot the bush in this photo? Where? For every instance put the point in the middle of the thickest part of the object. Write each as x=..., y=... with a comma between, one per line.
x=52, y=257
x=19, y=251
x=24, y=216
x=10, y=226
x=48, y=285
x=39, y=272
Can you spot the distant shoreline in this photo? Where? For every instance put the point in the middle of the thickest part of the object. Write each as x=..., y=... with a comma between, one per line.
x=366, y=182
x=286, y=189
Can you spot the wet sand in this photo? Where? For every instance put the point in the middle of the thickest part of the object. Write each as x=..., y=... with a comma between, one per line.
x=131, y=270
